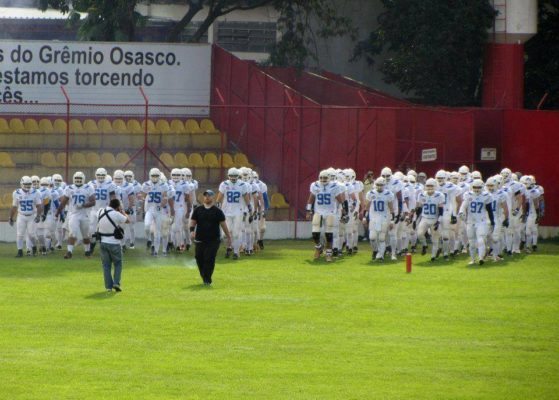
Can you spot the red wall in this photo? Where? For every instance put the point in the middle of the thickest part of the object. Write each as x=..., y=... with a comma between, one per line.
x=503, y=76
x=531, y=146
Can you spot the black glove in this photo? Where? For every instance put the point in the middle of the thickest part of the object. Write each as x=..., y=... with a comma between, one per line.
x=345, y=219
x=37, y=219
x=11, y=222
x=506, y=223
x=129, y=211
x=250, y=218
x=397, y=219
x=62, y=217
x=436, y=226
x=453, y=220
x=414, y=225
x=43, y=217
x=523, y=218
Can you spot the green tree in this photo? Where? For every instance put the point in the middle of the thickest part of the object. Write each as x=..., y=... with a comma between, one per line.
x=434, y=48
x=542, y=59
x=301, y=22
x=106, y=20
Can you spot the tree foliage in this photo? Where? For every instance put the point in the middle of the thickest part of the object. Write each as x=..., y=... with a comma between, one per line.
x=434, y=48
x=106, y=20
x=542, y=59
x=300, y=21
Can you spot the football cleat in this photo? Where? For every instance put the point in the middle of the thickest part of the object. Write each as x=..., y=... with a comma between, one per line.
x=355, y=249
x=472, y=262
x=423, y=250
x=433, y=259
x=261, y=244
x=88, y=253
x=19, y=253
x=68, y=255
x=34, y=251
x=394, y=258
x=317, y=252
x=228, y=252
x=131, y=247
x=481, y=262
x=148, y=245
x=235, y=256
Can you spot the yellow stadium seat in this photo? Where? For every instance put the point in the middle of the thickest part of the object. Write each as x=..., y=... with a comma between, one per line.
x=76, y=126
x=45, y=126
x=61, y=159
x=6, y=160
x=134, y=126
x=77, y=159
x=181, y=160
x=163, y=126
x=278, y=201
x=4, y=126
x=167, y=159
x=104, y=126
x=241, y=160
x=211, y=161
x=227, y=160
x=93, y=159
x=151, y=126
x=177, y=126
x=59, y=126
x=191, y=126
x=31, y=125
x=121, y=159
x=48, y=159
x=90, y=126
x=207, y=126
x=196, y=160
x=16, y=125
x=119, y=126
x=107, y=160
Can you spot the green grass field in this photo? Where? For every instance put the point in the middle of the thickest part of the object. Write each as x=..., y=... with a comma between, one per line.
x=280, y=326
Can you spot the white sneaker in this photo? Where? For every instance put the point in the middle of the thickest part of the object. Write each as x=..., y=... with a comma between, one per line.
x=472, y=262
x=394, y=258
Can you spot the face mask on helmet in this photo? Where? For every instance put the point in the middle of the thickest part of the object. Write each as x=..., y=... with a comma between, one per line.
x=129, y=176
x=430, y=186
x=154, y=175
x=176, y=175
x=323, y=177
x=26, y=183
x=36, y=182
x=386, y=173
x=79, y=179
x=379, y=184
x=100, y=175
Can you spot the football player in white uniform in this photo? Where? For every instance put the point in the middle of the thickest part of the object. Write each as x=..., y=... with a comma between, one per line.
x=395, y=186
x=500, y=210
x=541, y=207
x=80, y=197
x=452, y=198
x=26, y=202
x=322, y=205
x=477, y=212
x=250, y=219
x=59, y=185
x=429, y=211
x=234, y=199
x=133, y=211
x=263, y=206
x=127, y=196
x=357, y=198
x=168, y=217
x=380, y=209
x=105, y=191
x=183, y=205
x=45, y=227
x=516, y=193
x=188, y=178
x=532, y=211
x=155, y=193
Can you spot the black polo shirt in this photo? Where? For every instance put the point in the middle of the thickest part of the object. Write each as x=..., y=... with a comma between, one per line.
x=207, y=223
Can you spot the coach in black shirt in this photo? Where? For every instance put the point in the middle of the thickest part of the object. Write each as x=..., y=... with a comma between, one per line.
x=204, y=230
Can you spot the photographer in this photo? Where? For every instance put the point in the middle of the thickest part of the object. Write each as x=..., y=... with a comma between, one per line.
x=110, y=234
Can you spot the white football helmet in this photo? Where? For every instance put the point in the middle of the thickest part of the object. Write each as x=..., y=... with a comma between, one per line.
x=440, y=176
x=477, y=186
x=413, y=173
x=454, y=177
x=430, y=186
x=506, y=173
x=36, y=182
x=526, y=180
x=324, y=176
x=176, y=175
x=57, y=180
x=379, y=184
x=233, y=174
x=412, y=179
x=514, y=177
x=386, y=173
x=26, y=183
x=129, y=176
x=163, y=178
x=45, y=181
x=187, y=173
x=476, y=175
x=398, y=175
x=246, y=174
x=498, y=180
x=255, y=175
x=100, y=175
x=78, y=178
x=154, y=175
x=491, y=184
x=118, y=177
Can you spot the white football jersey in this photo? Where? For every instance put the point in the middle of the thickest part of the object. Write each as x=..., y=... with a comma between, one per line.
x=498, y=197
x=154, y=193
x=450, y=192
x=233, y=201
x=379, y=203
x=474, y=206
x=182, y=189
x=395, y=186
x=124, y=191
x=26, y=202
x=325, y=202
x=102, y=193
x=532, y=196
x=77, y=196
x=430, y=204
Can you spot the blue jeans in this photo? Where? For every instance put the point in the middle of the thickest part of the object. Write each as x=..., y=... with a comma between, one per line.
x=111, y=254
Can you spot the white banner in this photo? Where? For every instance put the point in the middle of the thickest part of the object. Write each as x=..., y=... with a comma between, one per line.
x=488, y=154
x=429, y=154
x=106, y=73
